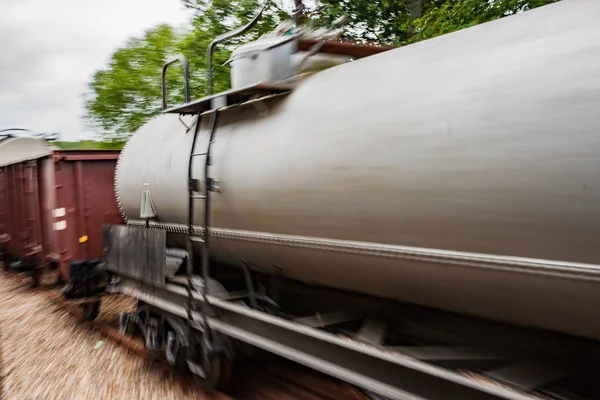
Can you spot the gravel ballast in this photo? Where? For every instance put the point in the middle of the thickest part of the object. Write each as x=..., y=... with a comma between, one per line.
x=45, y=353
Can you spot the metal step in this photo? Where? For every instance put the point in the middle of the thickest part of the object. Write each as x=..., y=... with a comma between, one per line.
x=196, y=369
x=198, y=197
x=196, y=239
x=197, y=325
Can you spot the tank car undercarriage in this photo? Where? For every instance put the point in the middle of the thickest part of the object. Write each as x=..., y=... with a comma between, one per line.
x=389, y=349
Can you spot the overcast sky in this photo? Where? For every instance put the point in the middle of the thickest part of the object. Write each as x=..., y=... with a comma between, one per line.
x=49, y=50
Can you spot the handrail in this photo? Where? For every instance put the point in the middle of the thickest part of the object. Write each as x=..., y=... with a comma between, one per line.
x=181, y=58
x=226, y=36
x=29, y=133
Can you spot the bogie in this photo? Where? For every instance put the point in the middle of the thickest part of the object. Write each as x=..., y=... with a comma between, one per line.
x=167, y=337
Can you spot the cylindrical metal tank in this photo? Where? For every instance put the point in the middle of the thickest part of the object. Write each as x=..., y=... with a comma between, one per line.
x=461, y=173
x=85, y=201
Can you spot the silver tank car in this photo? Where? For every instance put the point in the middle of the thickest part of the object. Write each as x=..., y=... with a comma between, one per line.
x=461, y=173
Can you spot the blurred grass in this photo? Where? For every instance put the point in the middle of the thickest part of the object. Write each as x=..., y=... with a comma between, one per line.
x=90, y=145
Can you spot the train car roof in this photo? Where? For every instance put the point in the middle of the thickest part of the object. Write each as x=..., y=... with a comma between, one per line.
x=18, y=149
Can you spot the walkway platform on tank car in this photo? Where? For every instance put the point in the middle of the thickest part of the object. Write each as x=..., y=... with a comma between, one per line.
x=233, y=96
x=242, y=95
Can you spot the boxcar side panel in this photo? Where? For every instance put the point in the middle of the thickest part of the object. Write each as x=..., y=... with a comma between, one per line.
x=4, y=209
x=32, y=240
x=46, y=183
x=63, y=216
x=22, y=217
x=22, y=190
x=17, y=216
x=85, y=201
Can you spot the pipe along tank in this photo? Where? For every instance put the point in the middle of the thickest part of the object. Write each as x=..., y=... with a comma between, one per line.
x=461, y=173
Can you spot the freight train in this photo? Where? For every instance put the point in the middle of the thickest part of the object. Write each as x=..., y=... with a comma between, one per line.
x=394, y=218
x=35, y=178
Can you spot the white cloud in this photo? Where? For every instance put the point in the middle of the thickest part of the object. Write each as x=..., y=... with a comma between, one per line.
x=50, y=50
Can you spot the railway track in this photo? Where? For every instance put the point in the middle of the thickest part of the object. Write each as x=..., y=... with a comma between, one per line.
x=267, y=377
x=263, y=377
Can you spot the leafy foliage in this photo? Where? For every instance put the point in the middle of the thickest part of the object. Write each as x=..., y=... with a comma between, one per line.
x=399, y=22
x=382, y=22
x=445, y=16
x=128, y=93
x=213, y=18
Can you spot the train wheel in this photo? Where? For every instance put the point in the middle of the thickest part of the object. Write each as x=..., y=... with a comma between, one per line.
x=90, y=310
x=218, y=369
x=127, y=326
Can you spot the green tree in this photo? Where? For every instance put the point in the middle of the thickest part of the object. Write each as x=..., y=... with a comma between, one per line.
x=377, y=22
x=445, y=16
x=127, y=93
x=399, y=22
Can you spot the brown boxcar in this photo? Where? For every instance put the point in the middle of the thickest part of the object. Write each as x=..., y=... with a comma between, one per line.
x=85, y=200
x=26, y=202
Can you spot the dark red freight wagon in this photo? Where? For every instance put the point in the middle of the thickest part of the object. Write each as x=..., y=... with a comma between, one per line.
x=85, y=200
x=27, y=239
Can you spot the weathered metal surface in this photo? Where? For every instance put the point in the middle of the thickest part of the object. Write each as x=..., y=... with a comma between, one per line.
x=85, y=200
x=137, y=253
x=4, y=211
x=458, y=173
x=23, y=214
x=47, y=188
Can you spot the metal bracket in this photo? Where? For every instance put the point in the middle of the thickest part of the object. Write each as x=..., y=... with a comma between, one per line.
x=186, y=79
x=215, y=185
x=224, y=37
x=249, y=284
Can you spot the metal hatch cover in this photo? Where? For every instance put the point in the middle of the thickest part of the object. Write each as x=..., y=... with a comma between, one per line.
x=136, y=253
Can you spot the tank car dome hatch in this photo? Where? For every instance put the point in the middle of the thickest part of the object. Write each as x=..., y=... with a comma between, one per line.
x=14, y=150
x=277, y=57
x=266, y=60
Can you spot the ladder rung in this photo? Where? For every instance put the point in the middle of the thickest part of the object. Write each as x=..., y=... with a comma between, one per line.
x=196, y=239
x=199, y=154
x=196, y=369
x=198, y=196
x=197, y=325
x=229, y=296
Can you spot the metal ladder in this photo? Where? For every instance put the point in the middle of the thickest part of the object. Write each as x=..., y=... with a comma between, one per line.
x=209, y=343
x=203, y=238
